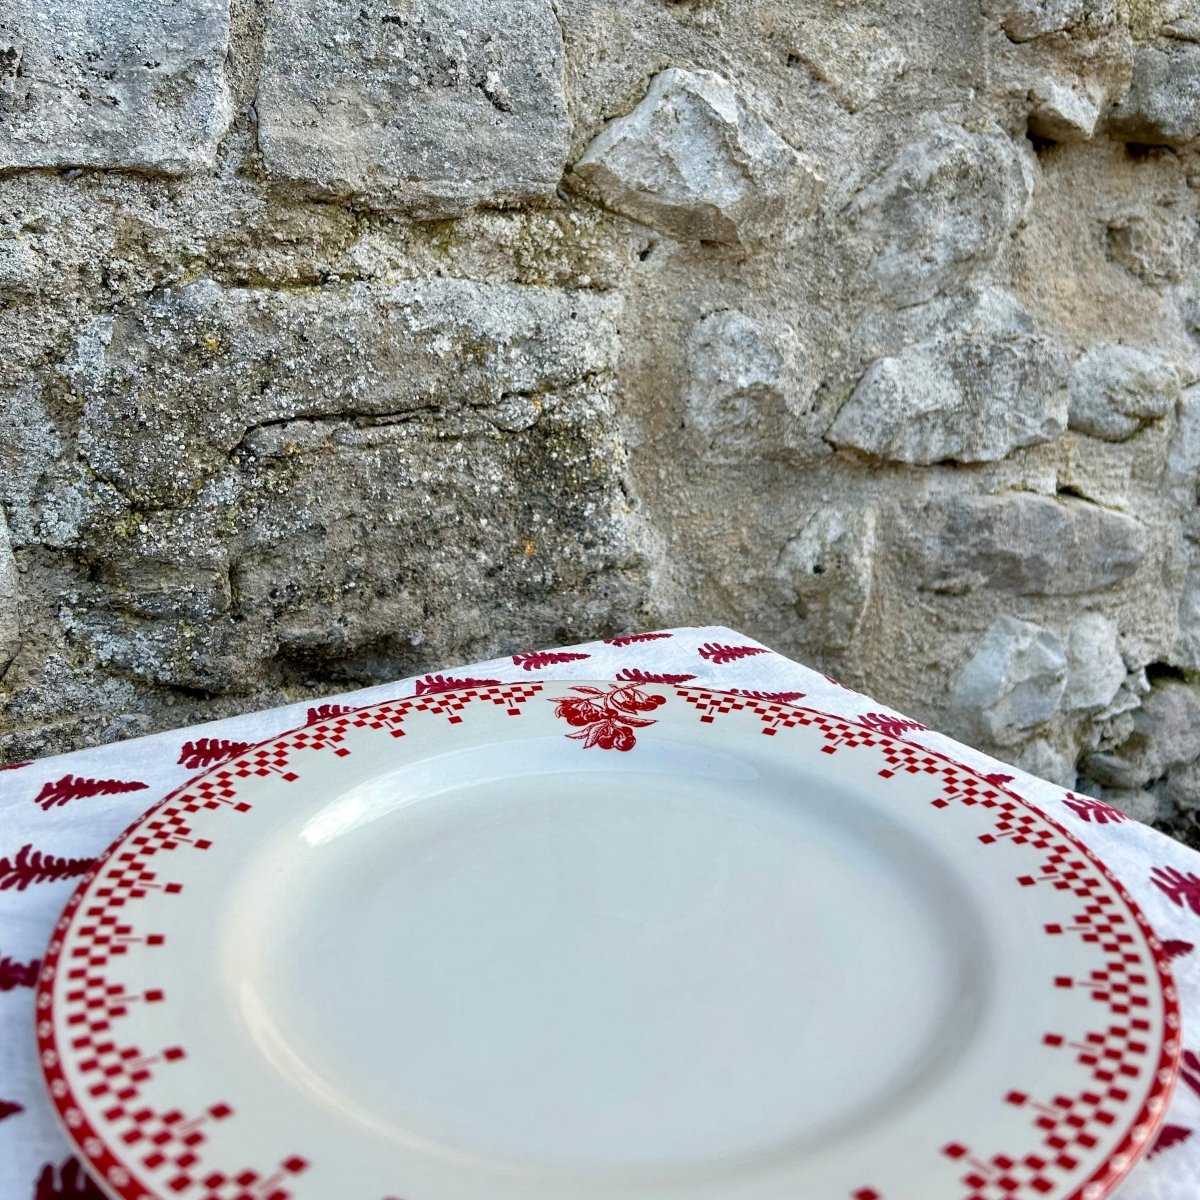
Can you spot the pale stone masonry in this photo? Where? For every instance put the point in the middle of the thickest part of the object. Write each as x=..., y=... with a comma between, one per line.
x=341, y=341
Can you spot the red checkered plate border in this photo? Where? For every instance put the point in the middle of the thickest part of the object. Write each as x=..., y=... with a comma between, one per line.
x=150, y=1121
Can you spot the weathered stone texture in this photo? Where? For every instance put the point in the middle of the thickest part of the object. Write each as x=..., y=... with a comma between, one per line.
x=428, y=108
x=138, y=86
x=344, y=341
x=695, y=161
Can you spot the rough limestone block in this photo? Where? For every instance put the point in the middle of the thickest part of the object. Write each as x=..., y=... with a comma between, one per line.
x=972, y=395
x=942, y=208
x=95, y=83
x=1023, y=543
x=695, y=161
x=743, y=378
x=855, y=62
x=1153, y=246
x=364, y=480
x=10, y=628
x=1096, y=669
x=1023, y=20
x=1166, y=734
x=1182, y=475
x=1115, y=390
x=1013, y=682
x=429, y=108
x=1162, y=106
x=1061, y=114
x=1187, y=651
x=828, y=569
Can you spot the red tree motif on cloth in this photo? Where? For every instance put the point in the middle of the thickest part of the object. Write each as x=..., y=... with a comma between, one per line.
x=12, y=766
x=32, y=866
x=68, y=1182
x=1189, y=1070
x=209, y=752
x=637, y=675
x=10, y=1108
x=1168, y=1136
x=15, y=974
x=1088, y=809
x=1180, y=887
x=607, y=719
x=772, y=697
x=69, y=788
x=1175, y=948
x=885, y=724
x=326, y=712
x=719, y=655
x=537, y=659
x=998, y=779
x=630, y=638
x=447, y=683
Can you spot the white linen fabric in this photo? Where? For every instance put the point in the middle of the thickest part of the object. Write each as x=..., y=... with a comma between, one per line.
x=60, y=813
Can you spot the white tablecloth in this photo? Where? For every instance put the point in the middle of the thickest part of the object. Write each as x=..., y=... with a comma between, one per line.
x=58, y=814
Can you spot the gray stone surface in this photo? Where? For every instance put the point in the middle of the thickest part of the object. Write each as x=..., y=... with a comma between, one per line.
x=970, y=396
x=695, y=161
x=1061, y=113
x=1162, y=106
x=943, y=207
x=10, y=623
x=1166, y=735
x=137, y=85
x=1024, y=544
x=1095, y=668
x=1013, y=682
x=1115, y=390
x=429, y=108
x=313, y=375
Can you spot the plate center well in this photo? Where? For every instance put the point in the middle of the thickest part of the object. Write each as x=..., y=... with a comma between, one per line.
x=641, y=964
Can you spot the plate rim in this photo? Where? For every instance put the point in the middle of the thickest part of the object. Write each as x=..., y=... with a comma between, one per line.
x=90, y=1144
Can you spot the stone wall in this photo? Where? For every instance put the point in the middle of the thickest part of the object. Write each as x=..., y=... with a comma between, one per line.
x=340, y=341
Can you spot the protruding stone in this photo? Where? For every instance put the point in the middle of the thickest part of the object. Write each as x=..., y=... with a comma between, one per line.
x=696, y=162
x=1115, y=390
x=1162, y=106
x=1061, y=114
x=1096, y=669
x=1023, y=20
x=941, y=209
x=1048, y=760
x=828, y=568
x=1013, y=682
x=1166, y=734
x=429, y=108
x=10, y=626
x=1023, y=543
x=740, y=376
x=973, y=395
x=93, y=83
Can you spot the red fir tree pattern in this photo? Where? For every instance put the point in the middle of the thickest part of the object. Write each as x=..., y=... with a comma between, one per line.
x=772, y=697
x=1168, y=1136
x=719, y=655
x=1087, y=809
x=10, y=1108
x=209, y=752
x=1180, y=887
x=630, y=639
x=1189, y=1070
x=998, y=779
x=607, y=719
x=326, y=712
x=636, y=675
x=446, y=683
x=889, y=726
x=12, y=766
x=69, y=788
x=1175, y=948
x=15, y=974
x=537, y=659
x=68, y=1182
x=32, y=866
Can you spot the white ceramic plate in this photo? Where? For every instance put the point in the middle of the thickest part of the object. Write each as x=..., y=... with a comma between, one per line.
x=556, y=941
